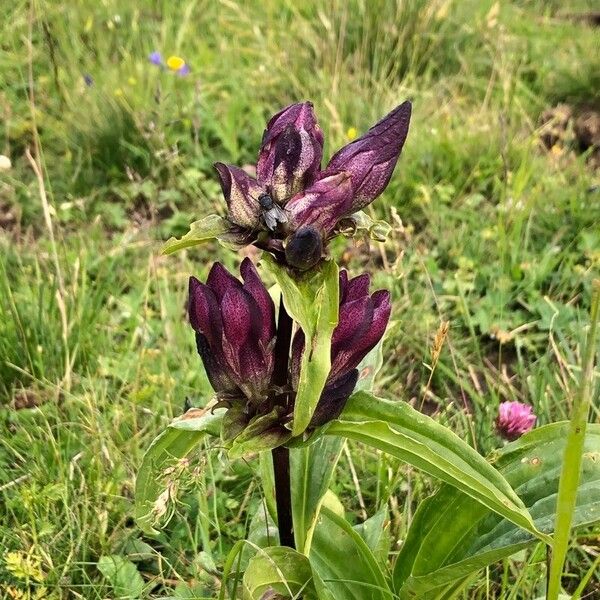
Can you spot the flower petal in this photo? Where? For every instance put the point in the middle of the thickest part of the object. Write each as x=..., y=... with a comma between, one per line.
x=241, y=194
x=323, y=204
x=371, y=158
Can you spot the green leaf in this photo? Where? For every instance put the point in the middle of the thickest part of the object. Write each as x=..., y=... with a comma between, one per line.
x=401, y=431
x=123, y=577
x=279, y=570
x=452, y=536
x=311, y=469
x=209, y=228
x=344, y=562
x=312, y=300
x=152, y=491
x=375, y=532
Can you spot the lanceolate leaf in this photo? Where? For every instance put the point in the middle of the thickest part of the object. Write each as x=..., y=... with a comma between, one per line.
x=401, y=431
x=343, y=561
x=311, y=469
x=312, y=299
x=206, y=229
x=452, y=536
x=152, y=486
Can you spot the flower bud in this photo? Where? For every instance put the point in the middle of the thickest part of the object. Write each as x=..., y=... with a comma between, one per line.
x=235, y=331
x=241, y=194
x=304, y=248
x=371, y=159
x=514, y=419
x=323, y=204
x=290, y=153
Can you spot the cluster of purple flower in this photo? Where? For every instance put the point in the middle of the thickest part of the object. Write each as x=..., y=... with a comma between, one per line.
x=292, y=209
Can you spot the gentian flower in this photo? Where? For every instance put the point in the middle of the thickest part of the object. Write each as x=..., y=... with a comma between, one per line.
x=293, y=208
x=514, y=419
x=361, y=324
x=235, y=331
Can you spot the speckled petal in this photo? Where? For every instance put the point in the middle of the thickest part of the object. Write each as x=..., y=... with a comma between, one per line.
x=241, y=193
x=371, y=159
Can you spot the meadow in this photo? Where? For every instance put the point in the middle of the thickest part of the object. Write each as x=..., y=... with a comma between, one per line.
x=495, y=207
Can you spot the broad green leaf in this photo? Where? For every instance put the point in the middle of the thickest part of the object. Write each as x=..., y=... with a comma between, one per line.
x=123, y=576
x=312, y=300
x=375, y=532
x=311, y=469
x=209, y=228
x=399, y=430
x=279, y=570
x=152, y=490
x=344, y=562
x=452, y=536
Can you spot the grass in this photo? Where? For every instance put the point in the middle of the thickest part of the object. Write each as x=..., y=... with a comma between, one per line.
x=492, y=233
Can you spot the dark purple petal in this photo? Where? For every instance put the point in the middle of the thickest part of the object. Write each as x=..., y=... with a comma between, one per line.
x=204, y=312
x=220, y=281
x=371, y=159
x=334, y=398
x=219, y=378
x=255, y=287
x=238, y=317
x=348, y=349
x=323, y=204
x=354, y=288
x=241, y=194
x=291, y=152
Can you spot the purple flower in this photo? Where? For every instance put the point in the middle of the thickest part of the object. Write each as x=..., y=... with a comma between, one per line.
x=235, y=330
x=184, y=70
x=290, y=152
x=361, y=324
x=370, y=160
x=514, y=419
x=156, y=58
x=88, y=79
x=292, y=208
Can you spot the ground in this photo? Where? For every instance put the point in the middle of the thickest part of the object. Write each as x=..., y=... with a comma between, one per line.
x=495, y=207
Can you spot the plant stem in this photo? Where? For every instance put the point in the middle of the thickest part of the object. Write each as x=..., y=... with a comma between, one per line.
x=281, y=455
x=571, y=466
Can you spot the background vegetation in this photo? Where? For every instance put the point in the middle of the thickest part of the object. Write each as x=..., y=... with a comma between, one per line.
x=496, y=213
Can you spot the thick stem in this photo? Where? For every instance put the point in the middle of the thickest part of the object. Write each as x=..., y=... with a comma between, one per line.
x=281, y=455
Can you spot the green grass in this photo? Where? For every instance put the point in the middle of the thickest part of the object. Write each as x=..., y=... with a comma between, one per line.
x=492, y=233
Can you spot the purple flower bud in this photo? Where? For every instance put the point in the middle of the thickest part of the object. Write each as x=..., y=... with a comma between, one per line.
x=304, y=248
x=88, y=79
x=361, y=324
x=235, y=330
x=323, y=204
x=241, y=193
x=371, y=159
x=156, y=58
x=514, y=419
x=291, y=152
